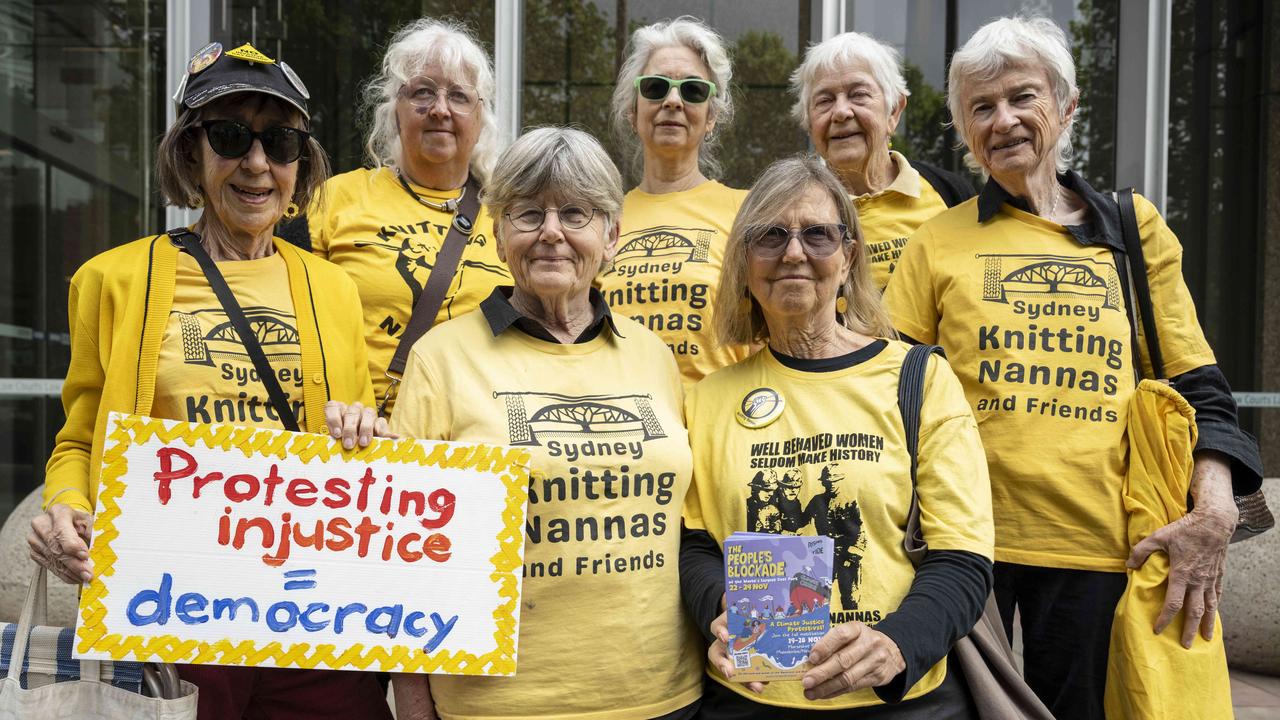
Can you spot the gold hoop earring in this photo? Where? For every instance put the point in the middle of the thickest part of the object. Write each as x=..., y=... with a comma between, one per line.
x=292, y=211
x=842, y=305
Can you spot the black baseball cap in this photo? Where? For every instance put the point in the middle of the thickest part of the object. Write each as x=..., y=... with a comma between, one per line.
x=213, y=73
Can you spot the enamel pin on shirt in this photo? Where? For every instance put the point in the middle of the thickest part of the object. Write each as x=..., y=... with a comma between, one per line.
x=760, y=407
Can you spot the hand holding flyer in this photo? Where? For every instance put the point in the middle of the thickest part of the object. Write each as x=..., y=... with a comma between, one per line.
x=778, y=592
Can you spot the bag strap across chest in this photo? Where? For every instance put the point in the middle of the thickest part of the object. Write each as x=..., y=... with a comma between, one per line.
x=431, y=299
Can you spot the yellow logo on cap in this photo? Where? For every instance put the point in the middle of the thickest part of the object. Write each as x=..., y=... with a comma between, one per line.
x=760, y=407
x=249, y=53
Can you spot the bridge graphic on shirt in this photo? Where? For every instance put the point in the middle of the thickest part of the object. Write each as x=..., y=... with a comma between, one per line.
x=665, y=242
x=534, y=417
x=1079, y=280
x=208, y=336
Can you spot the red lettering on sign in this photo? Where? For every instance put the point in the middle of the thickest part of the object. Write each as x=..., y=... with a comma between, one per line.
x=168, y=474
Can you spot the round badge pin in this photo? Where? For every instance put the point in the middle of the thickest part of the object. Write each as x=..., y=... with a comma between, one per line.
x=207, y=56
x=294, y=80
x=760, y=407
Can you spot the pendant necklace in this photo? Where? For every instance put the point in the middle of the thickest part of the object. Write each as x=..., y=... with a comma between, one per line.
x=448, y=206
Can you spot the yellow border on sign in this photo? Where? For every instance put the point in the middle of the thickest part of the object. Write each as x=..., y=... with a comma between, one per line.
x=127, y=430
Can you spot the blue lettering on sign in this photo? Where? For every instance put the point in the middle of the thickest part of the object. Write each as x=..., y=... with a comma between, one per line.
x=158, y=607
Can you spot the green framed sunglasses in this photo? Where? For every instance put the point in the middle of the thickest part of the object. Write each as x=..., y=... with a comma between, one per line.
x=692, y=90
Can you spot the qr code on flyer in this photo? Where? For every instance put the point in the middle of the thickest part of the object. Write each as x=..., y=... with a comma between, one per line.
x=741, y=660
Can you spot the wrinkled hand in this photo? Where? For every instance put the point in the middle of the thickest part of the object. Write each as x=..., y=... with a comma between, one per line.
x=355, y=424
x=850, y=657
x=718, y=653
x=59, y=540
x=1197, y=548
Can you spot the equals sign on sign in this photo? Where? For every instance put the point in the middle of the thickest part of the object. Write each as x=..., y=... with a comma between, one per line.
x=299, y=579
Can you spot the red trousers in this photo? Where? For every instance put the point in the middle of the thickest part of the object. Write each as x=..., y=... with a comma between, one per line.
x=248, y=693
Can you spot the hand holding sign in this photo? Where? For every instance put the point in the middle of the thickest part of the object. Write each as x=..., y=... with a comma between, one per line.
x=232, y=545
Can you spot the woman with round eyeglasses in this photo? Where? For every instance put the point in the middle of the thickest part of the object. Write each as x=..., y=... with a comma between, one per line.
x=595, y=398
x=671, y=100
x=850, y=96
x=796, y=279
x=240, y=150
x=404, y=228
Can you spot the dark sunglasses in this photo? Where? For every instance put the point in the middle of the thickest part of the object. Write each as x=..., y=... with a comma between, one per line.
x=817, y=241
x=232, y=139
x=692, y=90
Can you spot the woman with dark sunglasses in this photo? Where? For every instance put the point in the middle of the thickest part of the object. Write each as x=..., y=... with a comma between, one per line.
x=402, y=225
x=671, y=100
x=819, y=403
x=149, y=336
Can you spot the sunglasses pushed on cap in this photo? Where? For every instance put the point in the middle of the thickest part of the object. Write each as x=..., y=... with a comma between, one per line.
x=692, y=90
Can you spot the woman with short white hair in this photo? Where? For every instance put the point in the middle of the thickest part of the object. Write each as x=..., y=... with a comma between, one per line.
x=671, y=103
x=408, y=228
x=1027, y=290
x=547, y=366
x=850, y=96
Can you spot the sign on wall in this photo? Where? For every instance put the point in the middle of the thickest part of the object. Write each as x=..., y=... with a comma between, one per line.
x=243, y=546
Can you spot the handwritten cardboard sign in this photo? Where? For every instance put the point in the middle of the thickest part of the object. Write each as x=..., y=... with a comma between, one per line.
x=242, y=546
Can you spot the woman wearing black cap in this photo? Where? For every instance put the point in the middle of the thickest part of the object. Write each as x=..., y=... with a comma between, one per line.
x=144, y=321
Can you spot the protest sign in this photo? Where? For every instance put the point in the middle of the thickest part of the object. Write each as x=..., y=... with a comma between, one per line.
x=233, y=545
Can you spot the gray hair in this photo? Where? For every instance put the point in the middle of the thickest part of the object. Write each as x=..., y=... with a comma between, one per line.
x=684, y=31
x=1007, y=42
x=841, y=52
x=421, y=43
x=738, y=322
x=563, y=161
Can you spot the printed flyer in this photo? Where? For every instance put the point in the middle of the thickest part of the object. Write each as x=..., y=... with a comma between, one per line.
x=778, y=590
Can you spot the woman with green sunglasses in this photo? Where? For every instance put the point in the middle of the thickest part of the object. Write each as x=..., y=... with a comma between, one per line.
x=671, y=101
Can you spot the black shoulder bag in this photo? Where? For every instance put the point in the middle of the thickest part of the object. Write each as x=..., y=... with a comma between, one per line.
x=432, y=297
x=985, y=658
x=190, y=242
x=1255, y=517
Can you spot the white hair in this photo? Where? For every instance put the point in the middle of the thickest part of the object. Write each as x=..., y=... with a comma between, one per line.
x=839, y=53
x=1008, y=42
x=684, y=31
x=425, y=42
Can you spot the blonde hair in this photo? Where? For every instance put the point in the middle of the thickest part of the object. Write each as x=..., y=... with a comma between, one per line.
x=424, y=42
x=1006, y=42
x=738, y=317
x=688, y=32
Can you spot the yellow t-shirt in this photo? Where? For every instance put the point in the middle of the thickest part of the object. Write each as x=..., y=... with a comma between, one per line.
x=1034, y=324
x=204, y=374
x=387, y=242
x=667, y=268
x=603, y=634
x=890, y=216
x=835, y=462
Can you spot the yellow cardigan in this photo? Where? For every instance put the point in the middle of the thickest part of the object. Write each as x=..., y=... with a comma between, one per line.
x=118, y=309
